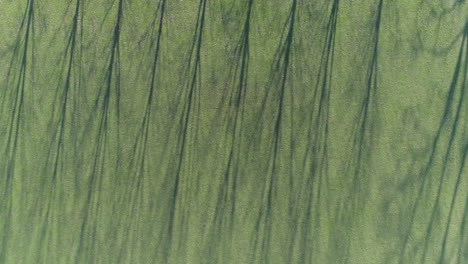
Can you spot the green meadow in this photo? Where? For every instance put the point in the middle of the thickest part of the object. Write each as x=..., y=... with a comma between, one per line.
x=223, y=131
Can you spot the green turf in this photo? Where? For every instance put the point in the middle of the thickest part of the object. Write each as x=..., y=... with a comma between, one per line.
x=255, y=131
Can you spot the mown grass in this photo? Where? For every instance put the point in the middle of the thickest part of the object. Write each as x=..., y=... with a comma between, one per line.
x=233, y=131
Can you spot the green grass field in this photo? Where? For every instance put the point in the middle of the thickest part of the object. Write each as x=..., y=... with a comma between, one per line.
x=222, y=131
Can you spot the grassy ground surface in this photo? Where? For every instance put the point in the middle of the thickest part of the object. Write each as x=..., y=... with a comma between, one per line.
x=222, y=131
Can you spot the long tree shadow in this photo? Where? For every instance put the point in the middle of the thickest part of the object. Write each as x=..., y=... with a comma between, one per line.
x=443, y=150
x=219, y=244
x=55, y=166
x=15, y=92
x=106, y=110
x=175, y=232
